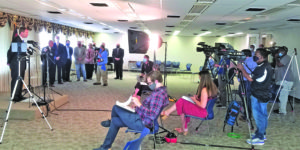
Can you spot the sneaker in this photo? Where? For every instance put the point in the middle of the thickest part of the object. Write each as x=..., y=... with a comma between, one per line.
x=85, y=80
x=221, y=106
x=253, y=134
x=96, y=83
x=104, y=84
x=106, y=123
x=276, y=111
x=256, y=141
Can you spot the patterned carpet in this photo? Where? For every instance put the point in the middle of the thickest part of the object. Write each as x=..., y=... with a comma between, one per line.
x=76, y=124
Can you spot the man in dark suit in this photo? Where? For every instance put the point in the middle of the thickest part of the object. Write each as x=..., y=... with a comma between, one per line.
x=67, y=67
x=118, y=54
x=12, y=61
x=47, y=52
x=60, y=56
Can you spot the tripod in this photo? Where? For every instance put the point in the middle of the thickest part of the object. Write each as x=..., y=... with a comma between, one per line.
x=293, y=57
x=20, y=79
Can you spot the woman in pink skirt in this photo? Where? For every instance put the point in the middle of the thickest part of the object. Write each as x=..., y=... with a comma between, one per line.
x=206, y=91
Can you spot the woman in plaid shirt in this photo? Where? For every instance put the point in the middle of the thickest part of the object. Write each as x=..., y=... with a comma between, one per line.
x=145, y=114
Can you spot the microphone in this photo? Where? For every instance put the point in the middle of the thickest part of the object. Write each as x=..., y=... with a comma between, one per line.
x=32, y=42
x=32, y=48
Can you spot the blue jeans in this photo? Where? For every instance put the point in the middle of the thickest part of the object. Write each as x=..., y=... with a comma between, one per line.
x=82, y=68
x=260, y=115
x=248, y=99
x=121, y=118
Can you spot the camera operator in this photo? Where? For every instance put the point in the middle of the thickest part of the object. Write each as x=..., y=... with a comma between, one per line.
x=282, y=62
x=12, y=62
x=222, y=78
x=48, y=51
x=261, y=79
x=249, y=64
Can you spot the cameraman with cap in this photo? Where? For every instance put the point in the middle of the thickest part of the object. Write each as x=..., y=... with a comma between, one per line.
x=261, y=79
x=282, y=62
x=249, y=64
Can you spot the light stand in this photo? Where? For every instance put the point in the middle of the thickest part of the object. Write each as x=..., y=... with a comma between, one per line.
x=20, y=79
x=293, y=57
x=165, y=72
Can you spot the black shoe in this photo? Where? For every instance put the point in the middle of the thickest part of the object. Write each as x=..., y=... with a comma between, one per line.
x=116, y=78
x=104, y=84
x=121, y=79
x=69, y=81
x=51, y=85
x=85, y=80
x=96, y=83
x=221, y=106
x=106, y=123
x=60, y=83
x=276, y=111
x=78, y=79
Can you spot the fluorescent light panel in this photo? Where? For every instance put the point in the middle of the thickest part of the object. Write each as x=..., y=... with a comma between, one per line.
x=176, y=32
x=205, y=33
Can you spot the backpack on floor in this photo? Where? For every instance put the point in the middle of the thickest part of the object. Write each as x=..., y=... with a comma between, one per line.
x=232, y=114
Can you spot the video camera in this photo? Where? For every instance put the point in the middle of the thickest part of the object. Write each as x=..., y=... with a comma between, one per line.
x=274, y=50
x=236, y=56
x=202, y=47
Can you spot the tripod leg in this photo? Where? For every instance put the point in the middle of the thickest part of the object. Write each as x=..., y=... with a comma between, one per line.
x=8, y=110
x=38, y=106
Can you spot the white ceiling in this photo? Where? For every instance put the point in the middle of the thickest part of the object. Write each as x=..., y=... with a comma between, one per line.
x=152, y=15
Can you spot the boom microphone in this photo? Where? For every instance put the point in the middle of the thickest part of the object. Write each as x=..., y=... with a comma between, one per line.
x=32, y=42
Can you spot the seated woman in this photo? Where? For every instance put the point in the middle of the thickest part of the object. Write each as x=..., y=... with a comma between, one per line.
x=144, y=115
x=142, y=86
x=206, y=91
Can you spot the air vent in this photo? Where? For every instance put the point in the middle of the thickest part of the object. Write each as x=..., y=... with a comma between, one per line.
x=252, y=28
x=255, y=9
x=123, y=20
x=99, y=4
x=167, y=34
x=184, y=23
x=54, y=12
x=271, y=11
x=133, y=27
x=204, y=30
x=218, y=35
x=196, y=33
x=231, y=33
x=198, y=9
x=190, y=17
x=105, y=28
x=88, y=23
x=116, y=32
x=170, y=26
x=220, y=23
x=294, y=20
x=173, y=16
x=168, y=31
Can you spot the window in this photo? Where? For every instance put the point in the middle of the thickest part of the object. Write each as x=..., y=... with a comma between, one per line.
x=44, y=38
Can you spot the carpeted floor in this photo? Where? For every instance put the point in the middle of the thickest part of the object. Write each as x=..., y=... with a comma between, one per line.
x=77, y=124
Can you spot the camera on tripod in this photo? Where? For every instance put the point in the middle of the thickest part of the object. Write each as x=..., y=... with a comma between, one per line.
x=202, y=47
x=236, y=56
x=274, y=50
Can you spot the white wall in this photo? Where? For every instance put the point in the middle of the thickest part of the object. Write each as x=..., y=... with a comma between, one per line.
x=180, y=48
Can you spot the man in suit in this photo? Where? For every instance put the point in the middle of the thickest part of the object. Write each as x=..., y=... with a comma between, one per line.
x=118, y=54
x=59, y=57
x=67, y=67
x=48, y=63
x=13, y=63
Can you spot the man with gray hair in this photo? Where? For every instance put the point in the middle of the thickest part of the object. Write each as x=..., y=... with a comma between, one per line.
x=79, y=54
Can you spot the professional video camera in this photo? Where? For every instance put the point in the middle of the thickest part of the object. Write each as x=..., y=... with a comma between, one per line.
x=236, y=56
x=206, y=48
x=274, y=50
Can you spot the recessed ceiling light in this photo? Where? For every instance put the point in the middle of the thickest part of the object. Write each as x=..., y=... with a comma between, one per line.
x=133, y=27
x=255, y=9
x=99, y=4
x=205, y=33
x=176, y=32
x=295, y=20
x=88, y=23
x=220, y=23
x=173, y=16
x=170, y=26
x=168, y=31
x=123, y=20
x=54, y=12
x=105, y=28
x=252, y=28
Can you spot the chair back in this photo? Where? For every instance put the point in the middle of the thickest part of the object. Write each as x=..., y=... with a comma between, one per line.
x=210, y=108
x=138, y=64
x=176, y=64
x=158, y=62
x=188, y=67
x=168, y=63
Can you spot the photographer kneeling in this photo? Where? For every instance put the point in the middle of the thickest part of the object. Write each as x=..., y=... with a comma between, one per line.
x=260, y=79
x=282, y=62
